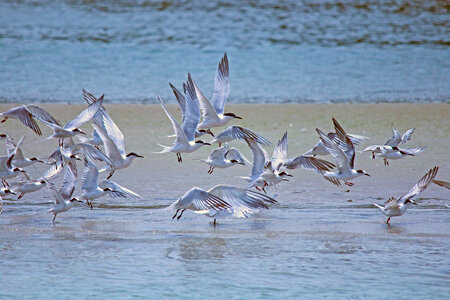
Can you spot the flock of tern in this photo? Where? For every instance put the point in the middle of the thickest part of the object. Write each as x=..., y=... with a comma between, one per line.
x=217, y=202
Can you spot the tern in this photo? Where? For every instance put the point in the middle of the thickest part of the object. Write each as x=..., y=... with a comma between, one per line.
x=395, y=208
x=5, y=192
x=185, y=134
x=93, y=190
x=388, y=152
x=344, y=158
x=112, y=138
x=28, y=185
x=244, y=202
x=393, y=141
x=62, y=198
x=223, y=157
x=71, y=128
x=19, y=160
x=182, y=104
x=199, y=201
x=95, y=140
x=7, y=170
x=239, y=133
x=213, y=112
x=27, y=115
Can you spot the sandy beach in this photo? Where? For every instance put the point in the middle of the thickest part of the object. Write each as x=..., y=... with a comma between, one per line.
x=317, y=237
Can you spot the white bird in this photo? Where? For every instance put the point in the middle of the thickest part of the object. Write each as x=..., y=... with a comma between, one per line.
x=71, y=128
x=244, y=202
x=199, y=201
x=7, y=170
x=223, y=157
x=63, y=200
x=239, y=133
x=28, y=185
x=112, y=138
x=93, y=190
x=182, y=104
x=388, y=152
x=344, y=158
x=19, y=160
x=185, y=134
x=27, y=114
x=213, y=112
x=393, y=141
x=395, y=208
x=320, y=149
x=5, y=192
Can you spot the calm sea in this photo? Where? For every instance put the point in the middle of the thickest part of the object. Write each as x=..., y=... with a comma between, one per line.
x=279, y=51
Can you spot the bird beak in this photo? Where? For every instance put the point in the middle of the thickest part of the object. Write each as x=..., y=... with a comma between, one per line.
x=289, y=175
x=237, y=117
x=210, y=132
x=23, y=171
x=284, y=179
x=413, y=202
x=242, y=163
x=82, y=132
x=137, y=155
x=207, y=144
x=366, y=174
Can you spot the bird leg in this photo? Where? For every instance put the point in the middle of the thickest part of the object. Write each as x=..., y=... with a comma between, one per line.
x=387, y=222
x=215, y=223
x=373, y=155
x=110, y=174
x=264, y=190
x=348, y=183
x=256, y=187
x=265, y=183
x=175, y=214
x=220, y=144
x=5, y=184
x=386, y=162
x=20, y=196
x=180, y=214
x=4, y=119
x=54, y=217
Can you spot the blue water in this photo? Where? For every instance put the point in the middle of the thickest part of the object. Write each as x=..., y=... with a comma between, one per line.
x=294, y=51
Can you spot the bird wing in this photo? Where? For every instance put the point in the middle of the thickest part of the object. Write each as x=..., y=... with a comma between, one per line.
x=442, y=183
x=70, y=180
x=234, y=154
x=339, y=156
x=357, y=139
x=90, y=176
x=24, y=116
x=208, y=111
x=56, y=195
x=219, y=153
x=180, y=99
x=118, y=190
x=84, y=116
x=221, y=85
x=412, y=151
x=111, y=149
x=407, y=135
x=181, y=136
x=260, y=158
x=192, y=113
x=52, y=172
x=372, y=148
x=244, y=203
x=395, y=139
x=41, y=114
x=279, y=154
x=199, y=200
x=91, y=152
x=345, y=143
x=421, y=185
x=391, y=203
x=11, y=147
x=310, y=163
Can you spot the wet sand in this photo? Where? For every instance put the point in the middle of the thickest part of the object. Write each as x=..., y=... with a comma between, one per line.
x=320, y=240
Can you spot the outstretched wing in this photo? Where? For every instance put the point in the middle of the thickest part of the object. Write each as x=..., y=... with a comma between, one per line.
x=391, y=203
x=25, y=116
x=310, y=163
x=339, y=156
x=118, y=190
x=421, y=185
x=181, y=137
x=260, y=158
x=84, y=116
x=70, y=180
x=221, y=85
x=234, y=154
x=201, y=201
x=345, y=143
x=407, y=135
x=395, y=139
x=90, y=176
x=41, y=114
x=279, y=155
x=180, y=99
x=240, y=133
x=192, y=113
x=208, y=111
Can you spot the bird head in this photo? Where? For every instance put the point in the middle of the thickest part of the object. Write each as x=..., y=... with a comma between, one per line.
x=232, y=116
x=206, y=131
x=410, y=201
x=132, y=154
x=18, y=170
x=75, y=200
x=107, y=189
x=362, y=172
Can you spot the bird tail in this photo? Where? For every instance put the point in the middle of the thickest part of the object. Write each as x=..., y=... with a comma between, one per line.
x=165, y=149
x=379, y=206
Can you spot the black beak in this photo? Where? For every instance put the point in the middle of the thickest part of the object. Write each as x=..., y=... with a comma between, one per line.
x=241, y=163
x=289, y=175
x=237, y=117
x=210, y=132
x=137, y=155
x=207, y=144
x=82, y=132
x=366, y=174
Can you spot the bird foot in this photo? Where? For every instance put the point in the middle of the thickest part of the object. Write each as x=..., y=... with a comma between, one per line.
x=349, y=183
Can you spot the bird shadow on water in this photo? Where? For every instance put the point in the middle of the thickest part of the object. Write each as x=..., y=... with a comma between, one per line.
x=394, y=229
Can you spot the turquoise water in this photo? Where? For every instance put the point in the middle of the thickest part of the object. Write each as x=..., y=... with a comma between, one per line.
x=296, y=51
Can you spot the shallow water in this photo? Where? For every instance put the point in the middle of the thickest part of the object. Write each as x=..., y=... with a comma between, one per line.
x=318, y=241
x=308, y=51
